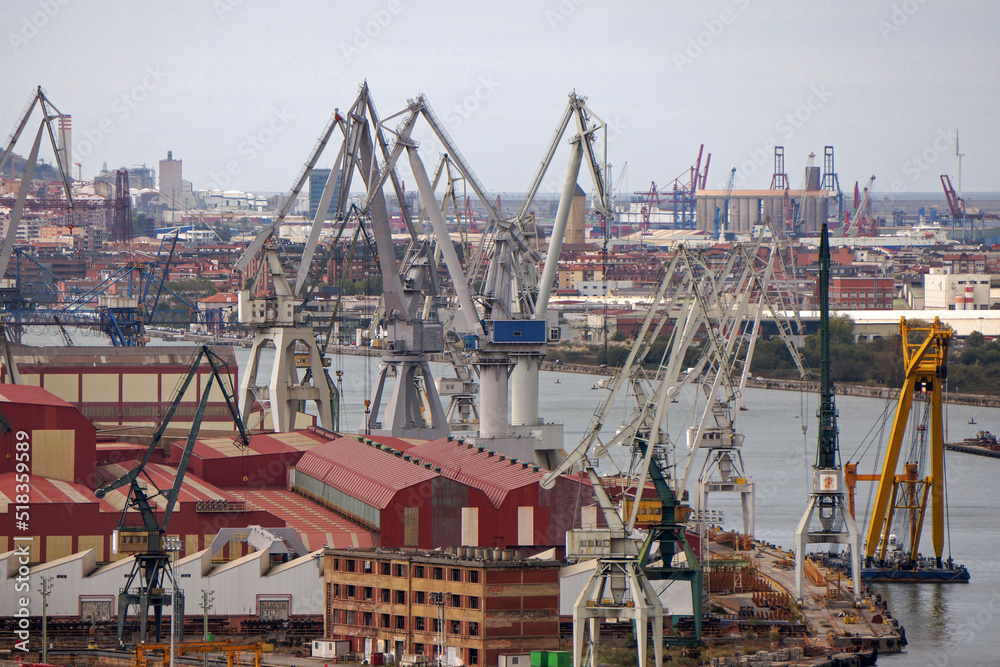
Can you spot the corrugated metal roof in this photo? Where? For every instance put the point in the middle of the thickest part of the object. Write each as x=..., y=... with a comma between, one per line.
x=193, y=488
x=361, y=471
x=154, y=355
x=29, y=394
x=44, y=490
x=493, y=474
x=261, y=443
x=316, y=525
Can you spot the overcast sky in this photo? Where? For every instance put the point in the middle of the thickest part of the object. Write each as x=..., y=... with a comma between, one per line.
x=240, y=89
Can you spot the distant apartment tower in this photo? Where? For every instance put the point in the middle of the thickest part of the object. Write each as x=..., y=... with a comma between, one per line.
x=317, y=181
x=171, y=188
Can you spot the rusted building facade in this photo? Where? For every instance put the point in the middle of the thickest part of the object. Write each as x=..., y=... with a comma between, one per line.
x=468, y=609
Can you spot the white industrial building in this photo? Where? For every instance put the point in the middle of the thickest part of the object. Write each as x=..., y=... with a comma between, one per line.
x=956, y=291
x=250, y=586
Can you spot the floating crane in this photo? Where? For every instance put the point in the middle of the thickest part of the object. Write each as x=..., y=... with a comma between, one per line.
x=144, y=585
x=906, y=495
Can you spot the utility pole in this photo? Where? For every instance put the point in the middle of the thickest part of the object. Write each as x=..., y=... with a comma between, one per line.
x=207, y=597
x=45, y=589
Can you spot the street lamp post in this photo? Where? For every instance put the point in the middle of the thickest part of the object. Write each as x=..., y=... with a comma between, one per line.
x=173, y=545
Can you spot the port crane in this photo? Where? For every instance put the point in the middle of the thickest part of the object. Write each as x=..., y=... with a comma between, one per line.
x=827, y=501
x=910, y=494
x=144, y=585
x=49, y=113
x=721, y=221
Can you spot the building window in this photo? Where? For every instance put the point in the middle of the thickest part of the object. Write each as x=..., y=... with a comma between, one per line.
x=438, y=573
x=385, y=621
x=419, y=597
x=456, y=574
x=400, y=570
x=473, y=602
x=350, y=592
x=456, y=600
x=418, y=624
x=351, y=618
x=367, y=566
x=473, y=576
x=436, y=625
x=385, y=595
x=336, y=590
x=369, y=592
x=351, y=565
x=400, y=623
x=473, y=629
x=400, y=597
x=456, y=627
x=386, y=569
x=367, y=620
x=473, y=656
x=336, y=564
x=418, y=571
x=418, y=648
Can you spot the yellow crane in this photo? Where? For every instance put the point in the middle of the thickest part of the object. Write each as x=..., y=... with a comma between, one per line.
x=925, y=354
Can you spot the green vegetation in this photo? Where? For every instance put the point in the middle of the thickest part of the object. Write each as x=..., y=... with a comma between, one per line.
x=973, y=364
x=369, y=286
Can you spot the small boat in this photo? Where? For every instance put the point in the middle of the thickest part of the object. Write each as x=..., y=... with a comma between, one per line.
x=972, y=420
x=558, y=381
x=595, y=387
x=743, y=408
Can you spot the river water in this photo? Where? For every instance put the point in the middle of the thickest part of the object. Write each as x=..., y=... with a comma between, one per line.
x=946, y=624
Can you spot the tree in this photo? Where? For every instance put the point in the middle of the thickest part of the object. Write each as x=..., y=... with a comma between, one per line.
x=619, y=336
x=975, y=339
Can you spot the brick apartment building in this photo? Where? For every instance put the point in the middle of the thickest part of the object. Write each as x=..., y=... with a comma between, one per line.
x=415, y=602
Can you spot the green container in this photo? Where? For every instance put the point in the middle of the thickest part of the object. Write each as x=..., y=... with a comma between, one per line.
x=538, y=659
x=210, y=637
x=559, y=659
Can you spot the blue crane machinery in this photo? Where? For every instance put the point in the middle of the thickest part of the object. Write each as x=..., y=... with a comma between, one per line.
x=144, y=587
x=721, y=221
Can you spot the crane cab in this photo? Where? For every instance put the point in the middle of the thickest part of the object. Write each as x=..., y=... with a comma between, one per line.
x=136, y=540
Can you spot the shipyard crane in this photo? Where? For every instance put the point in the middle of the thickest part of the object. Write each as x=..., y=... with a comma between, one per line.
x=827, y=500
x=145, y=584
x=721, y=222
x=925, y=359
x=278, y=318
x=49, y=113
x=858, y=222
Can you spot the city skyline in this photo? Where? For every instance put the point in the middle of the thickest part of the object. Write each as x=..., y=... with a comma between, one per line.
x=240, y=90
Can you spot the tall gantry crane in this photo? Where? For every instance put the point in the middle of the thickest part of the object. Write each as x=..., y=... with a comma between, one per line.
x=828, y=497
x=145, y=584
x=49, y=114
